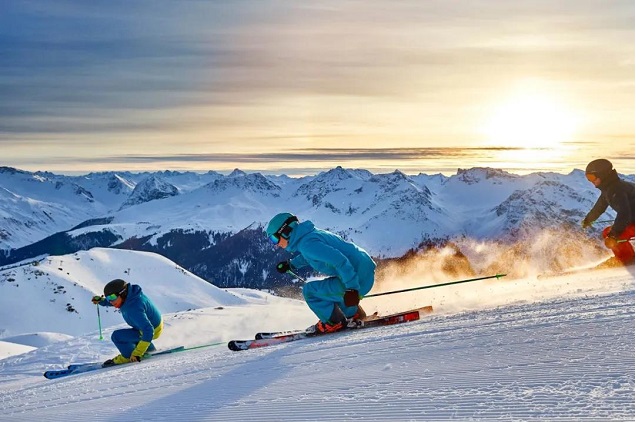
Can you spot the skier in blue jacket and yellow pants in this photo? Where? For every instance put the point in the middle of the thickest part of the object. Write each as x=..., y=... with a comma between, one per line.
x=350, y=269
x=139, y=312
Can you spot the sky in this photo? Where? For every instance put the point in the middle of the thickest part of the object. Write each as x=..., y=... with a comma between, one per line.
x=300, y=87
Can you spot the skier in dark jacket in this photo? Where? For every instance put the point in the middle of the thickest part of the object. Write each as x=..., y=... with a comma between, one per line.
x=139, y=312
x=351, y=270
x=618, y=194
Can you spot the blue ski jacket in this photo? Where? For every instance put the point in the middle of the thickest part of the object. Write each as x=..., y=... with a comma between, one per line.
x=329, y=254
x=139, y=312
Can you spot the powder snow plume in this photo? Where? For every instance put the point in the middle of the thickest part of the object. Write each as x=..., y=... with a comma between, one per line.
x=523, y=263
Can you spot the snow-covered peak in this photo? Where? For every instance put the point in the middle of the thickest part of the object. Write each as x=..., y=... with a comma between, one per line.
x=237, y=173
x=117, y=184
x=478, y=174
x=335, y=175
x=11, y=170
x=526, y=211
x=326, y=183
x=396, y=181
x=150, y=189
x=254, y=182
x=44, y=186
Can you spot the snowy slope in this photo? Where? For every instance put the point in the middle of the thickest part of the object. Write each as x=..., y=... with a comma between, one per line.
x=55, y=294
x=11, y=348
x=494, y=350
x=36, y=205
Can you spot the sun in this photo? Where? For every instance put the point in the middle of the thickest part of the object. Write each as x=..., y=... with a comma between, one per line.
x=530, y=120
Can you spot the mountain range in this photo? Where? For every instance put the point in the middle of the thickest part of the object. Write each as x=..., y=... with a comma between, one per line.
x=212, y=224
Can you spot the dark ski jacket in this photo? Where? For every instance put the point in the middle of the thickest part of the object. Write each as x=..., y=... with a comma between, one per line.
x=618, y=194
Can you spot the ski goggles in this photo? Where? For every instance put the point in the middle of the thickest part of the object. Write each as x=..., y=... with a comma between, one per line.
x=284, y=230
x=114, y=296
x=591, y=177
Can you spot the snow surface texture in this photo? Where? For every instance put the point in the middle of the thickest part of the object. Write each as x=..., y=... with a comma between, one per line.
x=551, y=348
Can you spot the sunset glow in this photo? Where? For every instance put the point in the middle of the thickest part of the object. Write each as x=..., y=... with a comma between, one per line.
x=531, y=121
x=286, y=87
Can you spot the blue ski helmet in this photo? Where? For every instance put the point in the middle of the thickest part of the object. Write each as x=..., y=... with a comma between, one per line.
x=281, y=225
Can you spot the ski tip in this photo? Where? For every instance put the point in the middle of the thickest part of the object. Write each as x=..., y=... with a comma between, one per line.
x=232, y=345
x=53, y=374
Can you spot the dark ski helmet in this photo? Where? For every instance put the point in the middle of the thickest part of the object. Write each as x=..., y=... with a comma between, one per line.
x=600, y=168
x=116, y=287
x=281, y=225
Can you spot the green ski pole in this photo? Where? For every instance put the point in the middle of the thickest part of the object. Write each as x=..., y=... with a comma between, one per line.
x=296, y=275
x=437, y=285
x=497, y=276
x=99, y=322
x=624, y=240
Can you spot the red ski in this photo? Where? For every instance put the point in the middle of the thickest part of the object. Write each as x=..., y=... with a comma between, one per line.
x=271, y=339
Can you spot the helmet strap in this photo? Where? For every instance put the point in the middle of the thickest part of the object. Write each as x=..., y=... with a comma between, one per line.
x=284, y=231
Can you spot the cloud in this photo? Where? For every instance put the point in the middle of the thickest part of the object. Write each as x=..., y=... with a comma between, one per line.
x=312, y=154
x=78, y=58
x=139, y=70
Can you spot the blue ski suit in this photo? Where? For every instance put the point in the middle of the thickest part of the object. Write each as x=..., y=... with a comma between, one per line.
x=142, y=315
x=349, y=267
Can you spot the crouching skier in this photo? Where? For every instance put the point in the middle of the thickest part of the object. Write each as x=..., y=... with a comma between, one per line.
x=335, y=299
x=139, y=312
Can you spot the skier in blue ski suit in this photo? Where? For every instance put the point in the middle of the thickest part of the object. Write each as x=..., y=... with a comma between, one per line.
x=139, y=312
x=350, y=269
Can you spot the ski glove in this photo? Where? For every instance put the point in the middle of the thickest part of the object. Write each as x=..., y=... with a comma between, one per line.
x=351, y=297
x=611, y=242
x=283, y=266
x=586, y=223
x=96, y=299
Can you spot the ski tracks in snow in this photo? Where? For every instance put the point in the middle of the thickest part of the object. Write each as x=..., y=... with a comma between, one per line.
x=564, y=358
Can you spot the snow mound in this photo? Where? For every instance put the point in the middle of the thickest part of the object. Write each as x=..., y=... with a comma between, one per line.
x=37, y=339
x=55, y=293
